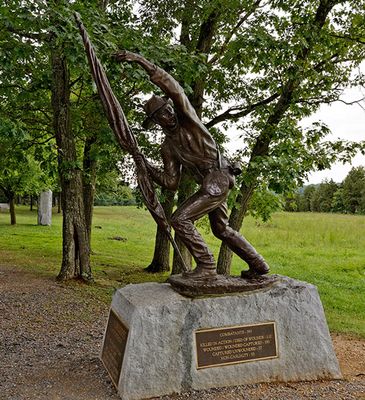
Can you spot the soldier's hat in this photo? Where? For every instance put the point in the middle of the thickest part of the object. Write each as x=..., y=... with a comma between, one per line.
x=154, y=104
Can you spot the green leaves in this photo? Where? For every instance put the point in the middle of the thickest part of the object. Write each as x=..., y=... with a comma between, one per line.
x=20, y=171
x=347, y=197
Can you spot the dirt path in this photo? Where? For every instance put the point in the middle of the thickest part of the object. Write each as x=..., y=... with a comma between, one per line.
x=50, y=339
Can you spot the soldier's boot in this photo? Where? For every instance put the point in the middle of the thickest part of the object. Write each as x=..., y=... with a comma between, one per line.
x=202, y=271
x=257, y=266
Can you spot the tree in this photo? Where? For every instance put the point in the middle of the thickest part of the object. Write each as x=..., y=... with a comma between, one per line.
x=353, y=191
x=76, y=245
x=259, y=66
x=264, y=203
x=39, y=43
x=20, y=172
x=322, y=198
x=337, y=202
x=161, y=257
x=273, y=63
x=307, y=79
x=306, y=198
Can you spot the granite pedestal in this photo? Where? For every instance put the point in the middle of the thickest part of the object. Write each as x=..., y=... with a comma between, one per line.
x=157, y=341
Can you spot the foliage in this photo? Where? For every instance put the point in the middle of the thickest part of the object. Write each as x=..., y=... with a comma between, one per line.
x=21, y=172
x=257, y=50
x=322, y=198
x=258, y=67
x=264, y=203
x=25, y=84
x=272, y=63
x=347, y=197
x=114, y=192
x=254, y=50
x=353, y=191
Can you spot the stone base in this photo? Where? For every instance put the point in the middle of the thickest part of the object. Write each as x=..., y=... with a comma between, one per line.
x=151, y=345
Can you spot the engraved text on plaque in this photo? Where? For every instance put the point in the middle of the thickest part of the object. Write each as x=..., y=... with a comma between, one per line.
x=232, y=345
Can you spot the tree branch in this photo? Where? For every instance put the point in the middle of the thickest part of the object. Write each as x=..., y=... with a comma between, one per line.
x=233, y=31
x=349, y=103
x=228, y=115
x=351, y=38
x=75, y=81
x=34, y=142
x=29, y=35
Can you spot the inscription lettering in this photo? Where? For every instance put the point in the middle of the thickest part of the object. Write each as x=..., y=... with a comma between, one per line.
x=231, y=345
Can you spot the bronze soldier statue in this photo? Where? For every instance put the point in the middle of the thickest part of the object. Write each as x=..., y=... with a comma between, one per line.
x=188, y=143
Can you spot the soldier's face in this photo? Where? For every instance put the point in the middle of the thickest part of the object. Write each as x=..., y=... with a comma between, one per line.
x=166, y=117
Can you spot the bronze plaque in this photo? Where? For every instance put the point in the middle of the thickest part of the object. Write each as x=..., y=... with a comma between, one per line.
x=114, y=346
x=237, y=344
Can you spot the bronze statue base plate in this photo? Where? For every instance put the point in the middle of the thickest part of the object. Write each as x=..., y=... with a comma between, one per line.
x=220, y=284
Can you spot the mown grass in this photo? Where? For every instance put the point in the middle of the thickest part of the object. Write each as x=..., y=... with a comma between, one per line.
x=327, y=250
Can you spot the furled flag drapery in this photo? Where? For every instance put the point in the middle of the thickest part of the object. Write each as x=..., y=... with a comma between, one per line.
x=124, y=135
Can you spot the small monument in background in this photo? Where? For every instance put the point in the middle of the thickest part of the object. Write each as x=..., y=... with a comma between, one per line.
x=45, y=208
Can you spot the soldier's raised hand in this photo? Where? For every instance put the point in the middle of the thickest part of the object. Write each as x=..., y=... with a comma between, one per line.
x=125, y=55
x=139, y=158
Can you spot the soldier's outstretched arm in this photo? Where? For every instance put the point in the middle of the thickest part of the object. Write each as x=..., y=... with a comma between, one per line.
x=163, y=80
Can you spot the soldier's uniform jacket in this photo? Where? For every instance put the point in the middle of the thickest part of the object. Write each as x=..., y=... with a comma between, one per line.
x=190, y=144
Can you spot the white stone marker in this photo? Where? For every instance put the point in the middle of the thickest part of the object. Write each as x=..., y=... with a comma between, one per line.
x=45, y=208
x=151, y=349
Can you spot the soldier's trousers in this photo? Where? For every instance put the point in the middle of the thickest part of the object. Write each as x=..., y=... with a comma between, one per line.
x=210, y=199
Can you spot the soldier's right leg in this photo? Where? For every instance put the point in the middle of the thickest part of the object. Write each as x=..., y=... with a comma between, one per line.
x=195, y=207
x=236, y=242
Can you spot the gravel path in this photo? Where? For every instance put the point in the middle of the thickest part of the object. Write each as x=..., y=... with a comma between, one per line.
x=50, y=341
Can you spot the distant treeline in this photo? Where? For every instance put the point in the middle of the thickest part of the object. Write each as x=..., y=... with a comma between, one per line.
x=347, y=197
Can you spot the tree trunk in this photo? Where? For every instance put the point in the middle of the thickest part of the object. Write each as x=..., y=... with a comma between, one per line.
x=261, y=147
x=59, y=203
x=177, y=267
x=75, y=247
x=161, y=256
x=235, y=221
x=186, y=189
x=89, y=181
x=12, y=209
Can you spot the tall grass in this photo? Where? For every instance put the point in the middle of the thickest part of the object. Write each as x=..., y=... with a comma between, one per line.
x=327, y=250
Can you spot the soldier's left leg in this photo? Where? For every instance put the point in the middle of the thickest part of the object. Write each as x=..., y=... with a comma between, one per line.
x=195, y=207
x=235, y=241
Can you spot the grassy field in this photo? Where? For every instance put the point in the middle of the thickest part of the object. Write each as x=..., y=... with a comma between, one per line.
x=324, y=249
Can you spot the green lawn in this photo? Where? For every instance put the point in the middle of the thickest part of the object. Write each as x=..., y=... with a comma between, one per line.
x=324, y=249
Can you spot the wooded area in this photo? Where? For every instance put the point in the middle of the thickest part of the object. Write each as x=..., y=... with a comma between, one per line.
x=347, y=197
x=258, y=67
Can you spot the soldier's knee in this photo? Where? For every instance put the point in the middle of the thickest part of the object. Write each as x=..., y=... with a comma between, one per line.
x=220, y=231
x=174, y=221
x=177, y=223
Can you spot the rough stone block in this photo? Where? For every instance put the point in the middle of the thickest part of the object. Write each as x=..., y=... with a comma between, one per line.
x=160, y=354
